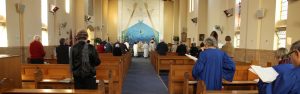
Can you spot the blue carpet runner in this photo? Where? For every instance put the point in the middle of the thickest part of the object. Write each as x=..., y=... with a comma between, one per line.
x=142, y=79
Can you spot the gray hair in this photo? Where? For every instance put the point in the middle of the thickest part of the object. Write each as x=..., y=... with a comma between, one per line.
x=211, y=41
x=36, y=38
x=281, y=53
x=295, y=46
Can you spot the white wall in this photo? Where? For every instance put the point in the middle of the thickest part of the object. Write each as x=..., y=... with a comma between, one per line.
x=257, y=33
x=13, y=34
x=33, y=23
x=293, y=23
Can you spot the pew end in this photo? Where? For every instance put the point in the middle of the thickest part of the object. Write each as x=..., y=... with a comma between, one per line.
x=201, y=87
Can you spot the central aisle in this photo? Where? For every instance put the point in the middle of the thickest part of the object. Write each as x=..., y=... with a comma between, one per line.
x=142, y=79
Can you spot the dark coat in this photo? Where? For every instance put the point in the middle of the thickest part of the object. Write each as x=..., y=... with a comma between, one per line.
x=162, y=48
x=76, y=56
x=108, y=48
x=62, y=54
x=194, y=51
x=123, y=47
x=181, y=50
x=117, y=51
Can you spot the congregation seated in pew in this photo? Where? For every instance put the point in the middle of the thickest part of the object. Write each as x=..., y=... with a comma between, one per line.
x=181, y=49
x=117, y=50
x=162, y=48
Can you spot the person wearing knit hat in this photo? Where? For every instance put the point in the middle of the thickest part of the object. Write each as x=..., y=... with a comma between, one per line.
x=84, y=59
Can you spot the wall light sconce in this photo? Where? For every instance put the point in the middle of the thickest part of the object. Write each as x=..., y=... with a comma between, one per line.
x=53, y=9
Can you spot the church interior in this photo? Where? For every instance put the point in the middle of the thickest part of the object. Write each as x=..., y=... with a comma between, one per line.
x=255, y=29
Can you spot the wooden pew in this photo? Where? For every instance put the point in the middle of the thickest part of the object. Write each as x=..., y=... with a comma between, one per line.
x=240, y=85
x=125, y=60
x=242, y=73
x=69, y=84
x=201, y=88
x=10, y=75
x=163, y=62
x=53, y=91
x=232, y=92
x=48, y=60
x=118, y=65
x=176, y=77
x=63, y=71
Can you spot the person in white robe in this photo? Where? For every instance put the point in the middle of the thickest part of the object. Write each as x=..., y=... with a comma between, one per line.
x=146, y=49
x=127, y=44
x=140, y=46
x=135, y=49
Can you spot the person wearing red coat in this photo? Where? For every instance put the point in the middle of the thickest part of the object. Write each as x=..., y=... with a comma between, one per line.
x=100, y=48
x=36, y=50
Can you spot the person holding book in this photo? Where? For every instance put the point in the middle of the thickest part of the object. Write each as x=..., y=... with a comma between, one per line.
x=289, y=82
x=213, y=65
x=283, y=66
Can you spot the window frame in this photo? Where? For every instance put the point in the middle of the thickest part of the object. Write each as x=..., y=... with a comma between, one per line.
x=280, y=39
x=44, y=21
x=284, y=4
x=237, y=39
x=191, y=6
x=3, y=29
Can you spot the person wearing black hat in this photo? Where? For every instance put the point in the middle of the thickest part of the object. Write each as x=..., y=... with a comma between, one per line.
x=84, y=59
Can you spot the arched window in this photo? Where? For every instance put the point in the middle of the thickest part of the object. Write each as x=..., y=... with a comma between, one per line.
x=67, y=6
x=191, y=5
x=284, y=9
x=237, y=23
x=238, y=14
x=280, y=34
x=237, y=38
x=3, y=30
x=44, y=9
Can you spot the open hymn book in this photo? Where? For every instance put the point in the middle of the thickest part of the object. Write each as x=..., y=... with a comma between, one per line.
x=266, y=74
x=191, y=57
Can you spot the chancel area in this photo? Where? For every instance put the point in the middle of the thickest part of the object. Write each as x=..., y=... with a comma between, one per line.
x=149, y=47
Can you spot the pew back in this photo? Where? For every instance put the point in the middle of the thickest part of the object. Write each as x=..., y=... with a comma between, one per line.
x=164, y=62
x=176, y=77
x=53, y=91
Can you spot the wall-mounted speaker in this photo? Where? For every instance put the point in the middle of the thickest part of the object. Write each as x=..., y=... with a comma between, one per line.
x=228, y=12
x=53, y=9
x=194, y=20
x=20, y=8
x=260, y=13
